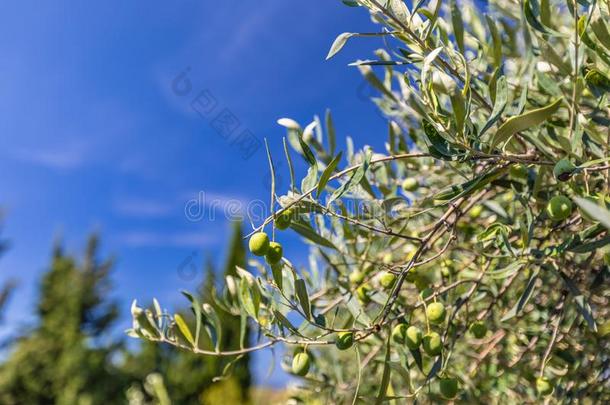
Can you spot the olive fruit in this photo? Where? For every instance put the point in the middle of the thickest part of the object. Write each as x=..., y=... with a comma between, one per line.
x=345, y=340
x=413, y=337
x=274, y=253
x=475, y=211
x=432, y=344
x=559, y=208
x=478, y=329
x=544, y=387
x=259, y=243
x=301, y=363
x=362, y=293
x=387, y=280
x=448, y=387
x=387, y=258
x=436, y=312
x=563, y=170
x=399, y=333
x=282, y=221
x=410, y=184
x=356, y=277
x=518, y=171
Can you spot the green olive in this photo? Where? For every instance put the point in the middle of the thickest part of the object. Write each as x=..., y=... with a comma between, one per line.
x=283, y=220
x=399, y=333
x=478, y=329
x=559, y=208
x=259, y=244
x=448, y=387
x=410, y=184
x=356, y=277
x=475, y=211
x=387, y=280
x=544, y=387
x=563, y=170
x=345, y=340
x=436, y=312
x=518, y=171
x=362, y=293
x=414, y=337
x=432, y=344
x=301, y=363
x=274, y=253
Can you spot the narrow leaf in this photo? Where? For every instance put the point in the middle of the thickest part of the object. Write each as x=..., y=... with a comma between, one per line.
x=184, y=329
x=525, y=121
x=338, y=44
x=327, y=173
x=303, y=297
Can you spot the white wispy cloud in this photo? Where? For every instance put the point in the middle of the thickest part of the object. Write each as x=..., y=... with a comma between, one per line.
x=141, y=207
x=64, y=157
x=166, y=239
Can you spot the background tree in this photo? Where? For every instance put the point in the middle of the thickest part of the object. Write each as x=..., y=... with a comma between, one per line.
x=468, y=260
x=9, y=286
x=188, y=379
x=66, y=358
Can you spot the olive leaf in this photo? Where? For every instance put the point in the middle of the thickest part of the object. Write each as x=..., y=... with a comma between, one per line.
x=339, y=43
x=303, y=297
x=184, y=329
x=524, y=121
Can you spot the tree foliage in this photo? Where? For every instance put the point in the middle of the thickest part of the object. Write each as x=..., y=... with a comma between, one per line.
x=189, y=379
x=65, y=359
x=468, y=260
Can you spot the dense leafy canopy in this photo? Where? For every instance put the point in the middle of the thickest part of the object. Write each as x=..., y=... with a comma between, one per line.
x=469, y=258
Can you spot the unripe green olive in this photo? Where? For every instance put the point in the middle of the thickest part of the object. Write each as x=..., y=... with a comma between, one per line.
x=432, y=344
x=283, y=220
x=362, y=293
x=301, y=363
x=356, y=277
x=544, y=387
x=413, y=337
x=387, y=280
x=518, y=171
x=399, y=333
x=448, y=387
x=475, y=211
x=259, y=243
x=274, y=253
x=563, y=170
x=345, y=340
x=387, y=258
x=478, y=329
x=436, y=312
x=410, y=184
x=559, y=208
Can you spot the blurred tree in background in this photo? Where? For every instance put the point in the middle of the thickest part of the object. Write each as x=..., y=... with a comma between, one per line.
x=187, y=378
x=71, y=356
x=66, y=357
x=8, y=287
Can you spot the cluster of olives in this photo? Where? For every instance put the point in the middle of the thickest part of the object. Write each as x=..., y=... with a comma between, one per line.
x=431, y=342
x=260, y=245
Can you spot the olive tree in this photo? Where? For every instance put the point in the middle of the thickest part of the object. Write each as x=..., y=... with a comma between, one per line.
x=466, y=261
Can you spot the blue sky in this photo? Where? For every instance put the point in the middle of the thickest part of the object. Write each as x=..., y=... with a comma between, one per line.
x=92, y=137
